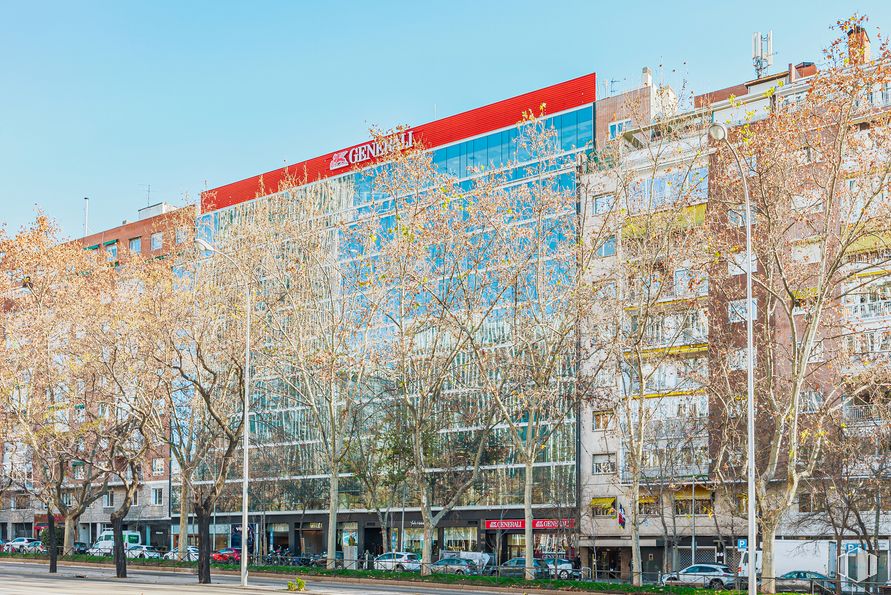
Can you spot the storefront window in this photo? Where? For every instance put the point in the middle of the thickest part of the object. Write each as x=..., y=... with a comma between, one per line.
x=460, y=539
x=413, y=539
x=516, y=545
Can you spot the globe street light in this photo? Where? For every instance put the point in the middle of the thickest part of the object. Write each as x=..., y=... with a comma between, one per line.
x=208, y=247
x=719, y=133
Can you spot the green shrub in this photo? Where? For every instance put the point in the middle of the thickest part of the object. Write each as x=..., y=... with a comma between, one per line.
x=296, y=585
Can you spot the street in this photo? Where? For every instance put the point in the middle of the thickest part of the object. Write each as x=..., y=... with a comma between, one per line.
x=20, y=578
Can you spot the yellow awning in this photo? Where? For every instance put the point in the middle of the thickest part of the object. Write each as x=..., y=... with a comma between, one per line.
x=870, y=242
x=688, y=493
x=646, y=500
x=603, y=502
x=689, y=216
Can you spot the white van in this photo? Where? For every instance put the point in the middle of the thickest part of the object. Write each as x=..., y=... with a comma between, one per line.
x=105, y=544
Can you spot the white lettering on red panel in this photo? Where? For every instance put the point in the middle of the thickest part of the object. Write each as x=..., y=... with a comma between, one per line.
x=373, y=150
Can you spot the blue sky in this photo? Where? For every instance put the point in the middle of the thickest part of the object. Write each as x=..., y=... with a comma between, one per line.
x=100, y=99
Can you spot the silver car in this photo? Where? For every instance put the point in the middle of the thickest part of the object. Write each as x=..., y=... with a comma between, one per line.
x=713, y=576
x=191, y=554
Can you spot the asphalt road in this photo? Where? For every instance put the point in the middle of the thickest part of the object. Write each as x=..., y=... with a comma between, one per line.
x=20, y=578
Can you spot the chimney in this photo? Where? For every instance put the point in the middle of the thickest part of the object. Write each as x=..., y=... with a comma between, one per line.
x=858, y=45
x=793, y=74
x=646, y=77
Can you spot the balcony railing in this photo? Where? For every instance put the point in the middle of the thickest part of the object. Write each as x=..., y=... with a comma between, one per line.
x=879, y=309
x=863, y=412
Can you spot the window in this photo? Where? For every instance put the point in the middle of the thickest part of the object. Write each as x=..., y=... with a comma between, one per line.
x=736, y=359
x=603, y=464
x=737, y=216
x=180, y=235
x=135, y=245
x=736, y=264
x=157, y=466
x=618, y=127
x=111, y=252
x=20, y=502
x=108, y=499
x=157, y=496
x=66, y=498
x=808, y=502
x=602, y=420
x=737, y=310
x=135, y=501
x=603, y=203
x=646, y=506
x=157, y=241
x=810, y=401
x=607, y=248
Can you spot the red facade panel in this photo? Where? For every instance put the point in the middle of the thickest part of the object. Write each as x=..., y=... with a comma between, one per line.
x=556, y=98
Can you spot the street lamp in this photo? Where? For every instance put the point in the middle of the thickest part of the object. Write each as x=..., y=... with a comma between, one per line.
x=718, y=132
x=208, y=247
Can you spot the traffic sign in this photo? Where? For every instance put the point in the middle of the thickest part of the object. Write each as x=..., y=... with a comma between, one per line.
x=742, y=544
x=850, y=548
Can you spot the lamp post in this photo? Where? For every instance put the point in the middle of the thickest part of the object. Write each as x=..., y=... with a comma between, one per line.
x=718, y=132
x=207, y=246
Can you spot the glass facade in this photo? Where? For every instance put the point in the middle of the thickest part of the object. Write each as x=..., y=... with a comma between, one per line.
x=302, y=485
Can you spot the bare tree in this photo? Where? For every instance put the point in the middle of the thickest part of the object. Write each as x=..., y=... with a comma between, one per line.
x=817, y=168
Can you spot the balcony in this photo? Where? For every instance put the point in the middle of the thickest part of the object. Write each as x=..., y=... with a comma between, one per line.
x=862, y=413
x=870, y=310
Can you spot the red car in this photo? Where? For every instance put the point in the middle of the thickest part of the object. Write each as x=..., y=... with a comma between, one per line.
x=227, y=555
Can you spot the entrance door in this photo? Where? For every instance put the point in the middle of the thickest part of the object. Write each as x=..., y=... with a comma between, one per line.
x=373, y=541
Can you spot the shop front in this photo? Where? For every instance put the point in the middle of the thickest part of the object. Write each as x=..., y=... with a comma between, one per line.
x=506, y=538
x=309, y=538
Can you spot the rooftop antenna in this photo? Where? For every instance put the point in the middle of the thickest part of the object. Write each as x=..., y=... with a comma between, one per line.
x=148, y=194
x=762, y=52
x=86, y=215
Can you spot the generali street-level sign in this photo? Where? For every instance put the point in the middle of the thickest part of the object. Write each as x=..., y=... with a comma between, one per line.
x=508, y=524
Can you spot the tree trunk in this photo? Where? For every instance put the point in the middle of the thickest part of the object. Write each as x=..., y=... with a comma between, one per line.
x=768, y=580
x=51, y=541
x=202, y=519
x=68, y=538
x=183, y=544
x=333, y=501
x=427, y=549
x=120, y=556
x=527, y=514
x=632, y=515
x=385, y=538
x=838, y=571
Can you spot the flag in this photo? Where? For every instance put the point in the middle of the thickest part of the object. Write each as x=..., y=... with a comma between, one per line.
x=621, y=516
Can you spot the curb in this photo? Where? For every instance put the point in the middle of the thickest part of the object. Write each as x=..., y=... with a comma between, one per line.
x=336, y=579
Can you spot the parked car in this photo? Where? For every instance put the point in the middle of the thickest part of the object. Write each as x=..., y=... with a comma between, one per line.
x=565, y=570
x=399, y=561
x=143, y=551
x=713, y=576
x=454, y=566
x=805, y=581
x=191, y=554
x=81, y=547
x=227, y=555
x=24, y=545
x=517, y=567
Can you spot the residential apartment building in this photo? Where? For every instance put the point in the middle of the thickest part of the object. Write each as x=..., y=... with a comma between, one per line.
x=159, y=231
x=690, y=509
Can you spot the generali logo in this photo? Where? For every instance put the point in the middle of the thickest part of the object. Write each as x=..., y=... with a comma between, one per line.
x=373, y=150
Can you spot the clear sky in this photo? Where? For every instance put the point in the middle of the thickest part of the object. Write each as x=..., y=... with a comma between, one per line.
x=100, y=99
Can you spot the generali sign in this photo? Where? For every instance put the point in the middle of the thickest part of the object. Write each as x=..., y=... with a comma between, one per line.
x=373, y=150
x=508, y=524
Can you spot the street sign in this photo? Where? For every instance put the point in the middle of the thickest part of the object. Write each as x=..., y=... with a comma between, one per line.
x=742, y=544
x=850, y=548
